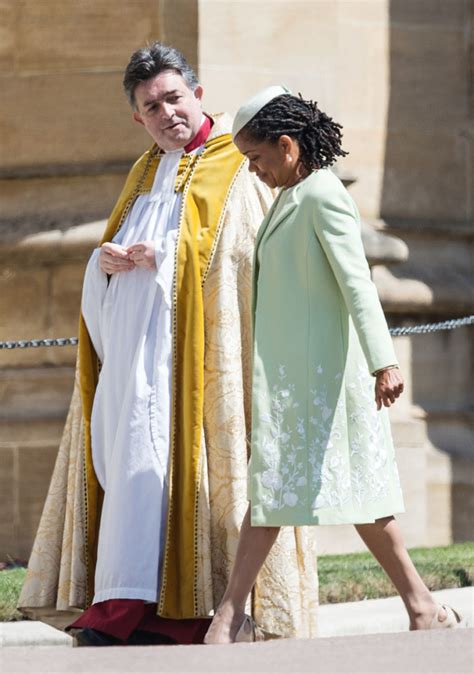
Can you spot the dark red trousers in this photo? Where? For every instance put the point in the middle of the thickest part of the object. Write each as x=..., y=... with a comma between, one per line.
x=119, y=618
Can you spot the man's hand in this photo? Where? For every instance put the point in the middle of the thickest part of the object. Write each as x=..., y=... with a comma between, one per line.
x=143, y=254
x=114, y=258
x=388, y=386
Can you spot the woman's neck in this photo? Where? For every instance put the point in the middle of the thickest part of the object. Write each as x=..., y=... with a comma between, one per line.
x=299, y=174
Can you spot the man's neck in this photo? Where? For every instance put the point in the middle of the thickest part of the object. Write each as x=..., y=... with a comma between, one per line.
x=201, y=136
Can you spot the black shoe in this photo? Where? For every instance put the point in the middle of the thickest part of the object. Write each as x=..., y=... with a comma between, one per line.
x=91, y=637
x=142, y=638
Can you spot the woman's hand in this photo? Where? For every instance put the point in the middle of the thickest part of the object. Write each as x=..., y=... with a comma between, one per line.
x=388, y=386
x=143, y=254
x=114, y=258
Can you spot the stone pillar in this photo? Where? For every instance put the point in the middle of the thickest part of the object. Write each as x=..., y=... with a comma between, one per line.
x=428, y=200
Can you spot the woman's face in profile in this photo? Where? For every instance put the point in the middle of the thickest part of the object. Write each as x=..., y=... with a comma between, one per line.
x=274, y=163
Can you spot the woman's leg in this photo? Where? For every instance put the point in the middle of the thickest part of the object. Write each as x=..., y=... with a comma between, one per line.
x=254, y=545
x=385, y=542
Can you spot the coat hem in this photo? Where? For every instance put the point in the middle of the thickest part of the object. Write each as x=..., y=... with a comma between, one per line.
x=324, y=519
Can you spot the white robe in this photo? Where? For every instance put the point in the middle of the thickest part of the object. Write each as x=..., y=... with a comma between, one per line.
x=130, y=325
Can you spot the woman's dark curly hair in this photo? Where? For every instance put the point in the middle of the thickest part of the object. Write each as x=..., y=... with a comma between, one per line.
x=318, y=136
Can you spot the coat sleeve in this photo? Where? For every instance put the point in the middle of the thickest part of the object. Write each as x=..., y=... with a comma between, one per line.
x=336, y=224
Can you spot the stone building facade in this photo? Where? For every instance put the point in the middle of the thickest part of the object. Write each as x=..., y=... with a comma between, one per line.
x=398, y=75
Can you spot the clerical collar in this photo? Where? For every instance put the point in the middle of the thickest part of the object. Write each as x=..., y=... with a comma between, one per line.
x=201, y=136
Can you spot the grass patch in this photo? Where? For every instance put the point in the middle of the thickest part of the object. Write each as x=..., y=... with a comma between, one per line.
x=341, y=577
x=11, y=581
x=359, y=576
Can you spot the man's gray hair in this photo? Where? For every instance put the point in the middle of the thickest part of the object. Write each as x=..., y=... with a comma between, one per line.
x=151, y=61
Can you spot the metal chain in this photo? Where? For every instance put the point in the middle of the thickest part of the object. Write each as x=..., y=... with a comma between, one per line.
x=395, y=332
x=432, y=327
x=34, y=343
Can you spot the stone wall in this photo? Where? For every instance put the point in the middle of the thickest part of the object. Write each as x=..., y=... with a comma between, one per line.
x=397, y=75
x=333, y=51
x=40, y=297
x=65, y=132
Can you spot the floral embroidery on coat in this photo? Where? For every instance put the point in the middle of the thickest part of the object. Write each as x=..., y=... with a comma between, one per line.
x=304, y=453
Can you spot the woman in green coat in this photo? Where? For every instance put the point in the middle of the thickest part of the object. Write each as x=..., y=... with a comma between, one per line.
x=324, y=368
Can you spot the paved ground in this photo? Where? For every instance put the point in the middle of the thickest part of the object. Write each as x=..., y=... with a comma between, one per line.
x=386, y=615
x=364, y=617
x=435, y=652
x=360, y=637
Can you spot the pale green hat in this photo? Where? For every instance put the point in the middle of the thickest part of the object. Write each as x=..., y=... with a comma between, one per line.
x=249, y=109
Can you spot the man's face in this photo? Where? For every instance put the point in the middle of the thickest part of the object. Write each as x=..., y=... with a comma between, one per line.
x=169, y=110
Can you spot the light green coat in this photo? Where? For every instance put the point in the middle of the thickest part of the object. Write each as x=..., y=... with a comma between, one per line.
x=321, y=453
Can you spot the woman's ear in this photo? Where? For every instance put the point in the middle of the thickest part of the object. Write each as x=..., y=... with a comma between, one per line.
x=289, y=148
x=285, y=143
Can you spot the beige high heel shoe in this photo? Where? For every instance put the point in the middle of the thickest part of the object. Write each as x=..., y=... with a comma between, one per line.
x=453, y=618
x=248, y=631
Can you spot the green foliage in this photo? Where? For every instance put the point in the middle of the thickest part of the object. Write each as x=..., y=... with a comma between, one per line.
x=11, y=581
x=358, y=576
